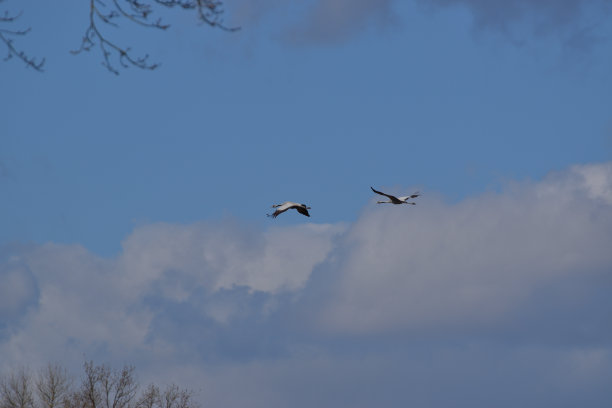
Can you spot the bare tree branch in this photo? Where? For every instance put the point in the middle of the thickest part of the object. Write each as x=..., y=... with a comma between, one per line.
x=150, y=397
x=103, y=388
x=16, y=390
x=108, y=13
x=119, y=388
x=7, y=37
x=100, y=387
x=53, y=386
x=90, y=396
x=139, y=12
x=172, y=397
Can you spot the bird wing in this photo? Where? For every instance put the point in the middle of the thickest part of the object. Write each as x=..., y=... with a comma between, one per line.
x=383, y=194
x=281, y=208
x=274, y=214
x=284, y=207
x=302, y=210
x=404, y=198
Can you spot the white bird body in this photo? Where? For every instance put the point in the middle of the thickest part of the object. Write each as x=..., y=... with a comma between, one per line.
x=396, y=200
x=287, y=205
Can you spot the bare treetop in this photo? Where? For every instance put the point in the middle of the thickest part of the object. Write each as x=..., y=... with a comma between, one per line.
x=100, y=387
x=53, y=386
x=16, y=390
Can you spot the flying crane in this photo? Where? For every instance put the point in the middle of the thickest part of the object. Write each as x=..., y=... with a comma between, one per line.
x=287, y=205
x=396, y=200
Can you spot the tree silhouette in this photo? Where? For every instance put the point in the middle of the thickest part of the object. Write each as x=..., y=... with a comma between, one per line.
x=52, y=386
x=104, y=14
x=16, y=390
x=100, y=387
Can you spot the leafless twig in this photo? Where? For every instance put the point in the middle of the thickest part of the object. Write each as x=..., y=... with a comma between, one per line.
x=139, y=12
x=7, y=36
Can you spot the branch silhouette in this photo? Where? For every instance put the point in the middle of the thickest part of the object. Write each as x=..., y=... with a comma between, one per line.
x=106, y=14
x=7, y=36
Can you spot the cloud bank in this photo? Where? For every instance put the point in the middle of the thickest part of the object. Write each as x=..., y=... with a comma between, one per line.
x=483, y=263
x=501, y=299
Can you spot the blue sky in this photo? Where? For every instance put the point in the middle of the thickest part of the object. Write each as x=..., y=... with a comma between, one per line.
x=154, y=185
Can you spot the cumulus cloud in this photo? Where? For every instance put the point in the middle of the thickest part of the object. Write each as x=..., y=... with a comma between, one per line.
x=464, y=296
x=18, y=291
x=170, y=279
x=477, y=263
x=224, y=255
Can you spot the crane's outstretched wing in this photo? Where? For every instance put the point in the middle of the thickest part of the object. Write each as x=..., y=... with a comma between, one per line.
x=275, y=214
x=280, y=208
x=302, y=210
x=415, y=195
x=383, y=194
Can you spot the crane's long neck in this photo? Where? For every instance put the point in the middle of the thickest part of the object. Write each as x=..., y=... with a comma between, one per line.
x=384, y=202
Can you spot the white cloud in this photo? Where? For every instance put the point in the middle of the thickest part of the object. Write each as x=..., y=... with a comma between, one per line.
x=223, y=255
x=442, y=294
x=597, y=180
x=18, y=290
x=103, y=306
x=477, y=262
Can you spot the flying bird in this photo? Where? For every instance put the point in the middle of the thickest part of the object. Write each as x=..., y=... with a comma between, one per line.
x=287, y=205
x=396, y=200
